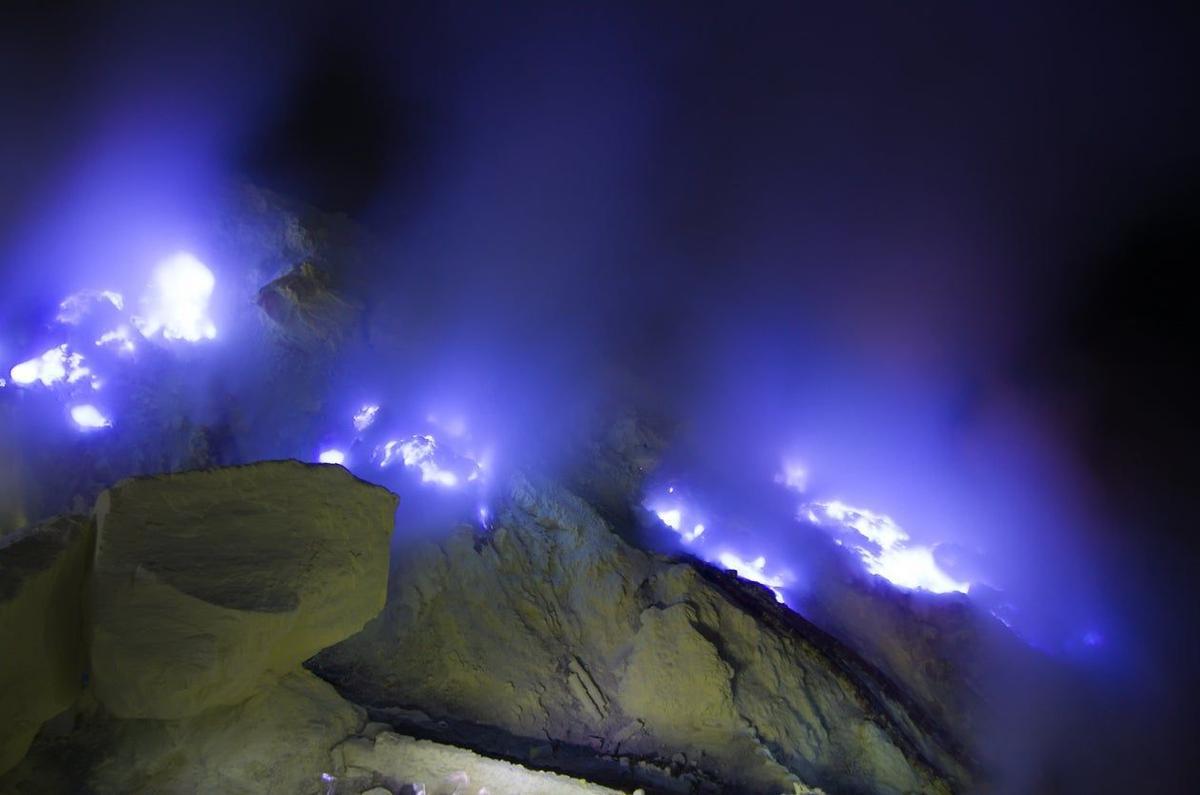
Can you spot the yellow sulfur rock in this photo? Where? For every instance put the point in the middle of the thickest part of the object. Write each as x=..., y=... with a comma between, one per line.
x=209, y=585
x=41, y=628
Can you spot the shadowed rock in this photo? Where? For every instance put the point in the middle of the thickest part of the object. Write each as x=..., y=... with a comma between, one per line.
x=42, y=655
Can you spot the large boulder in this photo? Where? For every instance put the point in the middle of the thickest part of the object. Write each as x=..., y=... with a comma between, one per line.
x=42, y=653
x=552, y=628
x=209, y=585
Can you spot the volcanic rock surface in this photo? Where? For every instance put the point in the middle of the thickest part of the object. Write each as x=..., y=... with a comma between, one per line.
x=208, y=584
x=382, y=762
x=207, y=591
x=42, y=657
x=555, y=634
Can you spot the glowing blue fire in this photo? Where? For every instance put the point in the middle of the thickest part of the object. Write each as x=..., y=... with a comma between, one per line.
x=887, y=552
x=120, y=337
x=73, y=308
x=365, y=417
x=671, y=517
x=176, y=308
x=56, y=365
x=421, y=452
x=753, y=570
x=89, y=418
x=332, y=457
x=690, y=523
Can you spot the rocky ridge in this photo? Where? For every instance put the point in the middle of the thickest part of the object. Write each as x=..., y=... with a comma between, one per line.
x=552, y=629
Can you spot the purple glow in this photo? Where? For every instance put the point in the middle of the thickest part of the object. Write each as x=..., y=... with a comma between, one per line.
x=793, y=476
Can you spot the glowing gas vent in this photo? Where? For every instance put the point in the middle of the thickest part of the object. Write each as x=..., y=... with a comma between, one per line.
x=886, y=551
x=176, y=306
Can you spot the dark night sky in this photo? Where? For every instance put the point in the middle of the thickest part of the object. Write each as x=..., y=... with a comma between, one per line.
x=1001, y=194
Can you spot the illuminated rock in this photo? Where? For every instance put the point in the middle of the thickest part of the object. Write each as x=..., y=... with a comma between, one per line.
x=41, y=628
x=305, y=311
x=210, y=584
x=552, y=627
x=388, y=761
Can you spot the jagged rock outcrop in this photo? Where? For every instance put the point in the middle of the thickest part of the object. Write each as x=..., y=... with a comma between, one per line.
x=305, y=311
x=42, y=656
x=208, y=584
x=551, y=628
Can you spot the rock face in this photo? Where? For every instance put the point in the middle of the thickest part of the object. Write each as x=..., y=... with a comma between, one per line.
x=41, y=623
x=551, y=627
x=304, y=310
x=208, y=584
x=206, y=592
x=278, y=742
x=387, y=762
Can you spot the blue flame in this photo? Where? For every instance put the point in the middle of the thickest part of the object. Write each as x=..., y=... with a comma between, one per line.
x=89, y=418
x=176, y=306
x=332, y=456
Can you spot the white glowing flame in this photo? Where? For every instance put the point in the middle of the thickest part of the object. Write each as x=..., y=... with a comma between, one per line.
x=88, y=417
x=54, y=366
x=120, y=337
x=421, y=453
x=332, y=457
x=74, y=307
x=365, y=416
x=418, y=449
x=754, y=570
x=176, y=307
x=671, y=517
x=888, y=553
